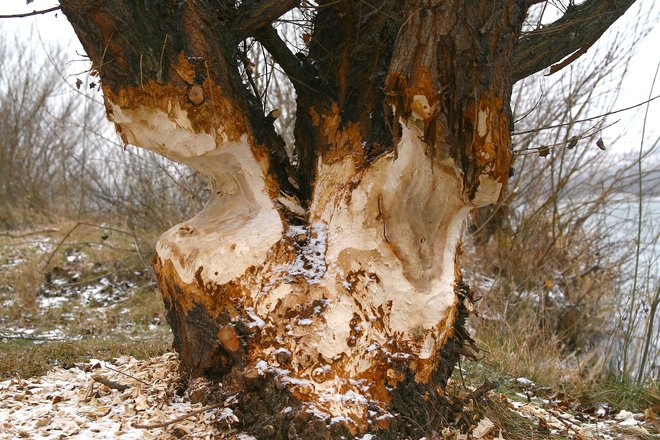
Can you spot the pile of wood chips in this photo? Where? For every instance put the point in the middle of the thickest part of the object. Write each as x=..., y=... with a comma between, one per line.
x=133, y=399
x=101, y=400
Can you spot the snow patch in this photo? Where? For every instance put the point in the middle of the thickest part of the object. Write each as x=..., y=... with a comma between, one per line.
x=310, y=260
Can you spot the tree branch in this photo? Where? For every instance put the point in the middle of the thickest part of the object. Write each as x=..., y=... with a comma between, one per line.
x=569, y=59
x=549, y=127
x=29, y=14
x=254, y=15
x=178, y=419
x=290, y=63
x=578, y=27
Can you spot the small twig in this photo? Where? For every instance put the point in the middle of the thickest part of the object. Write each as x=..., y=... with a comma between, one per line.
x=79, y=283
x=178, y=419
x=26, y=234
x=128, y=375
x=460, y=373
x=160, y=62
x=32, y=338
x=109, y=228
x=536, y=104
x=548, y=127
x=585, y=134
x=487, y=386
x=97, y=243
x=59, y=245
x=110, y=384
x=570, y=425
x=29, y=14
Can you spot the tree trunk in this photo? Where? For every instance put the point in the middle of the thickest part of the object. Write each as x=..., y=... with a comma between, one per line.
x=328, y=297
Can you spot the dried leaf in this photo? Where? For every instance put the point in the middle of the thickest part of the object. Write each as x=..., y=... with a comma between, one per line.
x=572, y=142
x=544, y=151
x=600, y=144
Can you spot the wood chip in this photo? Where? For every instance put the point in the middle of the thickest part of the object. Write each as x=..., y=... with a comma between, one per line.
x=484, y=428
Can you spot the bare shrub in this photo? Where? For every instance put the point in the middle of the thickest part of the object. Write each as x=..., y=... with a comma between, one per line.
x=38, y=146
x=557, y=300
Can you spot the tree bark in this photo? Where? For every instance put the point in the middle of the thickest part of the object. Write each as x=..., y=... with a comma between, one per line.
x=328, y=297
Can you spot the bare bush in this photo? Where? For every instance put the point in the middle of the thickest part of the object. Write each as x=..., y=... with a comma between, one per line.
x=38, y=163
x=60, y=158
x=559, y=287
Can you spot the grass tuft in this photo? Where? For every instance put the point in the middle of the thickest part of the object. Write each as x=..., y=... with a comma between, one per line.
x=24, y=358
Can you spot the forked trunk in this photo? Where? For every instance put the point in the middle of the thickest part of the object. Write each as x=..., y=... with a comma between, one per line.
x=339, y=310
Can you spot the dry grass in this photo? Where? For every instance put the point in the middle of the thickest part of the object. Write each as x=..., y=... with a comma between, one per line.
x=547, y=312
x=514, y=425
x=22, y=358
x=520, y=350
x=26, y=282
x=75, y=294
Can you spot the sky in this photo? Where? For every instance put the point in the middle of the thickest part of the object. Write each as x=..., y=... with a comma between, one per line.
x=53, y=27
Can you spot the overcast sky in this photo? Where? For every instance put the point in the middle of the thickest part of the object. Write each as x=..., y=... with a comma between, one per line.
x=636, y=86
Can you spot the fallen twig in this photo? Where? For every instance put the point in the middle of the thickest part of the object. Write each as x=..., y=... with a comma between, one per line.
x=178, y=419
x=26, y=234
x=110, y=384
x=33, y=338
x=567, y=423
x=483, y=389
x=79, y=283
x=128, y=375
x=109, y=228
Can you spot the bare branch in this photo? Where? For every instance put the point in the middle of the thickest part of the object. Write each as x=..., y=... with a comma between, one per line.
x=580, y=26
x=289, y=63
x=568, y=60
x=25, y=234
x=178, y=419
x=253, y=15
x=548, y=127
x=30, y=14
x=109, y=383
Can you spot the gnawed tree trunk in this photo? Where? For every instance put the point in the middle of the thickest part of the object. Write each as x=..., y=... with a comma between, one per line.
x=327, y=296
